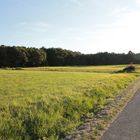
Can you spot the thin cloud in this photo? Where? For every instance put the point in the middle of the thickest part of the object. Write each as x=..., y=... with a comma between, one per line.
x=121, y=35
x=34, y=26
x=138, y=1
x=76, y=3
x=119, y=11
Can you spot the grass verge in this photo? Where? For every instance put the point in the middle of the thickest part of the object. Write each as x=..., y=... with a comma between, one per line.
x=94, y=127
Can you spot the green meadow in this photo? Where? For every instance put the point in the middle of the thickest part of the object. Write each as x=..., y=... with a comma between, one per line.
x=47, y=104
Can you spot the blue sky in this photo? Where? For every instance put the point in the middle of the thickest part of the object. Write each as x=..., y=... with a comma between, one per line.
x=88, y=26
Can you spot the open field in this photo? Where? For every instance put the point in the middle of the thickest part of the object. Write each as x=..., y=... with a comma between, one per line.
x=98, y=69
x=49, y=104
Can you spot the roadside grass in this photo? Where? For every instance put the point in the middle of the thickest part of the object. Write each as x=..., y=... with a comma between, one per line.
x=49, y=105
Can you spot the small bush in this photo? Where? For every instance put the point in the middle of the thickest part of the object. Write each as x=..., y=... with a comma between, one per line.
x=127, y=69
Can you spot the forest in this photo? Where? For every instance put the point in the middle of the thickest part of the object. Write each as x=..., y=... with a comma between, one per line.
x=18, y=56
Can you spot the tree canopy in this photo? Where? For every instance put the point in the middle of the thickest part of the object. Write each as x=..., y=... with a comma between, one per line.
x=19, y=56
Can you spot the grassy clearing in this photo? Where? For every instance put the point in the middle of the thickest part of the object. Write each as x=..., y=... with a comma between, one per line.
x=39, y=105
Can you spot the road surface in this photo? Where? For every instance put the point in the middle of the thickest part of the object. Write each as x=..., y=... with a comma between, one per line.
x=127, y=125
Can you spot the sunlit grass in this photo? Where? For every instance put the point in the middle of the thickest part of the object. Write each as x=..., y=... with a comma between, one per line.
x=37, y=104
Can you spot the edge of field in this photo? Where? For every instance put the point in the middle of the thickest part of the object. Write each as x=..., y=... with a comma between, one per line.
x=94, y=128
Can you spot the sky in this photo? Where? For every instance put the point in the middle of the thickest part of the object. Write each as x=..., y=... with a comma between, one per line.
x=88, y=26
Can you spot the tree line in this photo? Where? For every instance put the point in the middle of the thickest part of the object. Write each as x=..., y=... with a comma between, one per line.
x=21, y=57
x=62, y=57
x=17, y=56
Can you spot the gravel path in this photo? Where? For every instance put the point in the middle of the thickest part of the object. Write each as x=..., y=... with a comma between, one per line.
x=127, y=125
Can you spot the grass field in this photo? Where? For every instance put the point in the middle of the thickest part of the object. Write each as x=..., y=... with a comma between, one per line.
x=49, y=104
x=98, y=69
